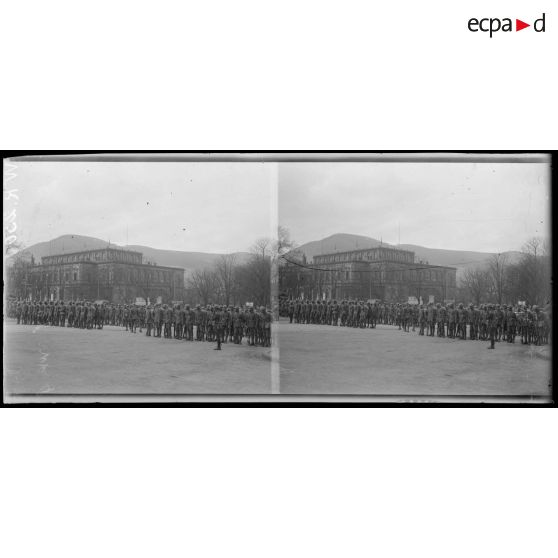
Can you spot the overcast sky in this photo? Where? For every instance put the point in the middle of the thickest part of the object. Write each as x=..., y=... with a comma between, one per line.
x=461, y=206
x=201, y=207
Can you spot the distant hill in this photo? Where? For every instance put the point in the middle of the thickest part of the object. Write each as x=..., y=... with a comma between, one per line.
x=459, y=259
x=338, y=243
x=173, y=258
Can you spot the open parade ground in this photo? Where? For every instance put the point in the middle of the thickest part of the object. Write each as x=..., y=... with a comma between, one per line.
x=58, y=361
x=321, y=359
x=314, y=359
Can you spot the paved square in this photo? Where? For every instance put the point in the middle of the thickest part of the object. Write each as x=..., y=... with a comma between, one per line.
x=57, y=361
x=319, y=359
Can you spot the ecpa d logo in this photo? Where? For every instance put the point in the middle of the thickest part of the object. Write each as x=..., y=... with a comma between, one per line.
x=492, y=25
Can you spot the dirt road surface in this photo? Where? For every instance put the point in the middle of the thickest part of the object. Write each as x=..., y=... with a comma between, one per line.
x=318, y=359
x=54, y=360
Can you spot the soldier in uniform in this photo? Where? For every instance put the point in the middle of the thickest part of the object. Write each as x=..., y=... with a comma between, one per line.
x=441, y=320
x=237, y=321
x=217, y=324
x=71, y=314
x=251, y=327
x=40, y=307
x=126, y=316
x=62, y=314
x=103, y=311
x=198, y=322
x=134, y=318
x=210, y=323
x=25, y=313
x=227, y=324
x=149, y=320
x=431, y=317
x=142, y=316
x=297, y=308
x=189, y=319
x=89, y=318
x=343, y=313
x=475, y=323
x=538, y=325
x=423, y=317
x=167, y=319
x=178, y=320
x=158, y=320
x=291, y=311
x=34, y=312
x=463, y=320
x=499, y=322
x=469, y=319
x=335, y=313
x=205, y=322
x=267, y=318
x=492, y=324
x=511, y=325
x=451, y=321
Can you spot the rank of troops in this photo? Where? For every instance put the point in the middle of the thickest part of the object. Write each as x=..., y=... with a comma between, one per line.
x=214, y=323
x=486, y=322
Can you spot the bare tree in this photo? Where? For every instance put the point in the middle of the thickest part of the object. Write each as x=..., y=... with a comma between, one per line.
x=284, y=243
x=261, y=248
x=532, y=274
x=477, y=283
x=225, y=273
x=204, y=283
x=533, y=247
x=497, y=265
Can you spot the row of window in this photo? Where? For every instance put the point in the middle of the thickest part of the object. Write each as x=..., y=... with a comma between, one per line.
x=130, y=275
x=393, y=275
x=94, y=256
x=369, y=255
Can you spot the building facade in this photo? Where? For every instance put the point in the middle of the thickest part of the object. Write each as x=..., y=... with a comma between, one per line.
x=112, y=274
x=382, y=273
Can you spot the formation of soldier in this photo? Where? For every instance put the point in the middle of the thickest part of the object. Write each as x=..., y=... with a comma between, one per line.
x=486, y=322
x=213, y=323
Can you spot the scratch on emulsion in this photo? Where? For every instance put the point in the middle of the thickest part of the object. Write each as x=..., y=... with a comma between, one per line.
x=43, y=365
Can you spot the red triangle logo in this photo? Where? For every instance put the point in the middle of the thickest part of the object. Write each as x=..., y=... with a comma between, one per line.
x=519, y=25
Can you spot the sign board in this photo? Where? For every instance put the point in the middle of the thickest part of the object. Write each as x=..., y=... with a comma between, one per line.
x=159, y=300
x=521, y=303
x=412, y=300
x=430, y=299
x=140, y=301
x=250, y=304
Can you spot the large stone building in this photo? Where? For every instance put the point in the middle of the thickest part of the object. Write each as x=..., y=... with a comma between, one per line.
x=110, y=273
x=383, y=273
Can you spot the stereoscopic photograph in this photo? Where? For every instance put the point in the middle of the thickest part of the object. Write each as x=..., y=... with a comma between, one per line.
x=137, y=278
x=427, y=277
x=394, y=277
